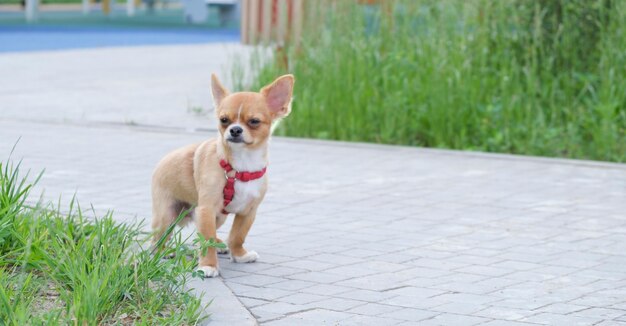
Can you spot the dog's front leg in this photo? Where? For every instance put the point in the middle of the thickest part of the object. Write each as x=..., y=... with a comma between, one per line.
x=236, y=238
x=206, y=225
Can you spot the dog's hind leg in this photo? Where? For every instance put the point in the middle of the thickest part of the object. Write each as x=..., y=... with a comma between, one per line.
x=164, y=213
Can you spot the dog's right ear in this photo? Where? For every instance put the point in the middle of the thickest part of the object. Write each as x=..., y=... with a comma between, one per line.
x=218, y=91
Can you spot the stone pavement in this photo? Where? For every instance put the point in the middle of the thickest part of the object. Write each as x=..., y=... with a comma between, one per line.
x=143, y=85
x=353, y=234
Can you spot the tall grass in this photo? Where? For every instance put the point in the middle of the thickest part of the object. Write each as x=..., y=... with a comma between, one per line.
x=64, y=269
x=543, y=77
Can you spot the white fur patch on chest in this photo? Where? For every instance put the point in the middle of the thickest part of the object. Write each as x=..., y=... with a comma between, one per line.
x=246, y=192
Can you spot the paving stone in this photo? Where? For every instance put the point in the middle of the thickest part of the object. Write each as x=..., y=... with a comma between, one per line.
x=291, y=321
x=373, y=309
x=269, y=294
x=505, y=313
x=547, y=318
x=263, y=316
x=320, y=316
x=309, y=265
x=516, y=265
x=593, y=300
x=378, y=282
x=360, y=320
x=320, y=277
x=365, y=295
x=414, y=315
x=416, y=292
x=281, y=271
x=413, y=302
x=361, y=253
x=352, y=270
x=561, y=308
x=507, y=323
x=326, y=289
x=303, y=298
x=277, y=308
x=251, y=303
x=442, y=264
x=336, y=304
x=611, y=323
x=293, y=285
x=485, y=270
x=256, y=280
x=524, y=304
x=467, y=298
x=446, y=319
x=335, y=259
x=603, y=313
x=461, y=308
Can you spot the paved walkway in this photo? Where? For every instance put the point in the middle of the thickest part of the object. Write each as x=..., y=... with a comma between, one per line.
x=354, y=234
x=150, y=85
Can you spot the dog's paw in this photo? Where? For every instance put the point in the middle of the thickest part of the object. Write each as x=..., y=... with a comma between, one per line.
x=208, y=271
x=249, y=257
x=223, y=251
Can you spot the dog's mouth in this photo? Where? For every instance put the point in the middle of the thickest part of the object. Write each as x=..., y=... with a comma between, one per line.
x=237, y=140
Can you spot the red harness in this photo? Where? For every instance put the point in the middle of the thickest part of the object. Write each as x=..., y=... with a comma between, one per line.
x=229, y=188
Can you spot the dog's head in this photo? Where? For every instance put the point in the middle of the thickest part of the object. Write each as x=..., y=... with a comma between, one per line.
x=245, y=118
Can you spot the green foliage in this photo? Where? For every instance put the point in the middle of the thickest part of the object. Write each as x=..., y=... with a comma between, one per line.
x=205, y=244
x=529, y=77
x=58, y=268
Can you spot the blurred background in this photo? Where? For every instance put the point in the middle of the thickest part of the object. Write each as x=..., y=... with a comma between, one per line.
x=538, y=77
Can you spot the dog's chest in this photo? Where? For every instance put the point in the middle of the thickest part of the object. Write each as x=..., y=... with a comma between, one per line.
x=245, y=193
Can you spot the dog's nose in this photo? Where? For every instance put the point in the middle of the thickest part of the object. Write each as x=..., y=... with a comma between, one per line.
x=236, y=131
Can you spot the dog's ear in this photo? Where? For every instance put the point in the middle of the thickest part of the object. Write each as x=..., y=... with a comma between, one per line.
x=218, y=91
x=278, y=95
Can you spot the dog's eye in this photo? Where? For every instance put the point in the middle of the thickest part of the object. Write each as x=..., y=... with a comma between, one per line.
x=254, y=122
x=224, y=121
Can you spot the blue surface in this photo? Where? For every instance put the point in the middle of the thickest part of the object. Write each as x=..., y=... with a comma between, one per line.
x=37, y=38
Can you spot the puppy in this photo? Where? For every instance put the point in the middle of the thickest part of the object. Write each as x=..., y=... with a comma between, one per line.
x=223, y=175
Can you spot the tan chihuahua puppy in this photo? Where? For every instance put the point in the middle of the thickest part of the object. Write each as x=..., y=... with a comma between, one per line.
x=225, y=174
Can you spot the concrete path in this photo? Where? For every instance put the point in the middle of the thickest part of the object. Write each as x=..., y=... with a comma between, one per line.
x=145, y=85
x=354, y=234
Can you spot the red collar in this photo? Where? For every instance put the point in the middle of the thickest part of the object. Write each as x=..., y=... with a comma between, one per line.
x=229, y=188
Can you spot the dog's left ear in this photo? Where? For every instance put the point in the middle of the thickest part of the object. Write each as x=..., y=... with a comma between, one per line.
x=278, y=96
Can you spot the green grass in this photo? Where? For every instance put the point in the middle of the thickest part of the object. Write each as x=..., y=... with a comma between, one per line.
x=62, y=268
x=537, y=77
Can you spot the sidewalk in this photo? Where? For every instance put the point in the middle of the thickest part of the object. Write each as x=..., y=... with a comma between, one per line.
x=384, y=235
x=142, y=85
x=349, y=234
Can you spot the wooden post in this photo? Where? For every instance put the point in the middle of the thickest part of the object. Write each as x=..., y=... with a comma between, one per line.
x=245, y=21
x=106, y=7
x=282, y=21
x=297, y=21
x=266, y=22
x=254, y=21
